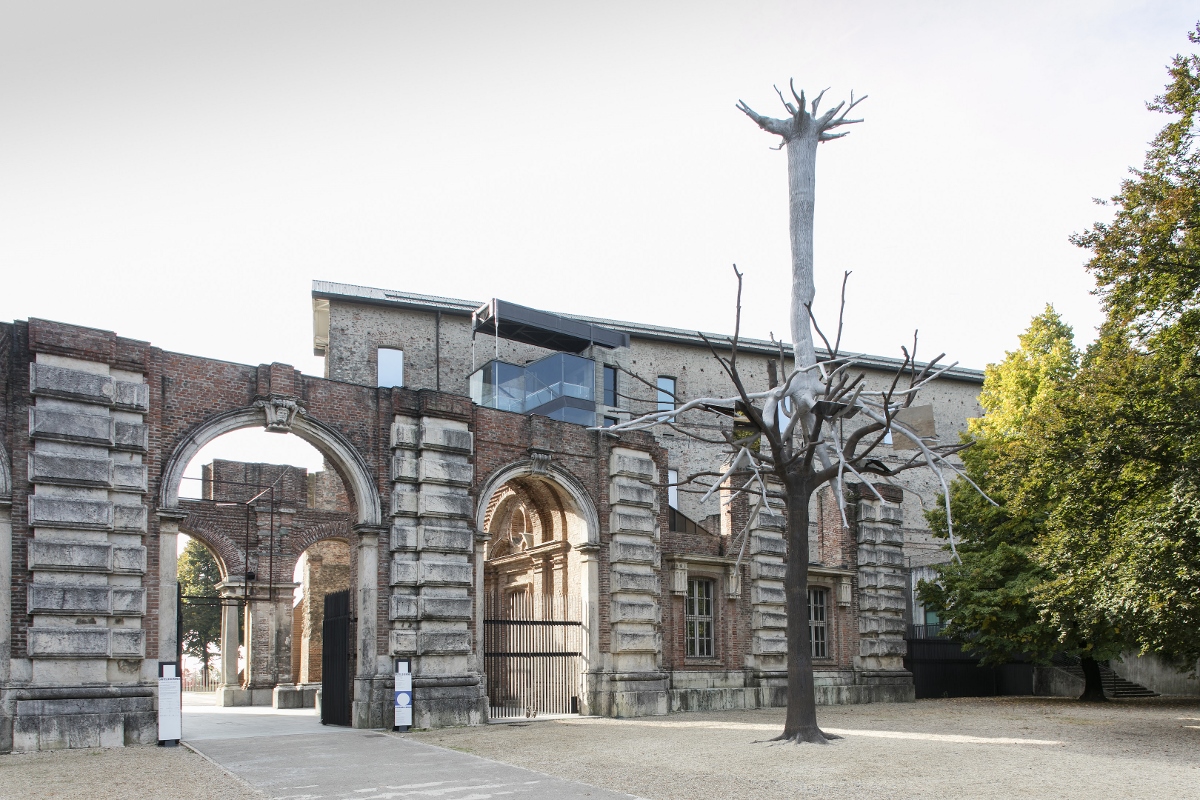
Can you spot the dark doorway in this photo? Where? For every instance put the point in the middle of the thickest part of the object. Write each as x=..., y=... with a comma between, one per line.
x=336, y=659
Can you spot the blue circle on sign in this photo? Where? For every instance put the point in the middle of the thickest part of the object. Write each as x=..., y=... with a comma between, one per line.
x=403, y=699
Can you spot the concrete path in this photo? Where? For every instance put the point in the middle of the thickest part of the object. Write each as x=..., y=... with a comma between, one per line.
x=289, y=754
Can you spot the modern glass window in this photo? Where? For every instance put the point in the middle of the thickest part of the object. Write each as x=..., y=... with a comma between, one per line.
x=817, y=631
x=610, y=386
x=666, y=393
x=672, y=488
x=610, y=421
x=390, y=367
x=698, y=618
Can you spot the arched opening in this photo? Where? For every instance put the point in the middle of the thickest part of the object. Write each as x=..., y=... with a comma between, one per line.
x=277, y=516
x=538, y=591
x=201, y=571
x=323, y=569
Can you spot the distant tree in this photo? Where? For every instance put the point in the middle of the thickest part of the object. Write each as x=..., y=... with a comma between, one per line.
x=198, y=577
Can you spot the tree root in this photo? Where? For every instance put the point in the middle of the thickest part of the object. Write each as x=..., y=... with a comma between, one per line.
x=806, y=735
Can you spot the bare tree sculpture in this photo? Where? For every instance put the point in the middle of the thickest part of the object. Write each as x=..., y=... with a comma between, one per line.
x=819, y=425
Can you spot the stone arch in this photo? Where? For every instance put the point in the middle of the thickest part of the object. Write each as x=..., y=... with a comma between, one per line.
x=347, y=460
x=229, y=557
x=318, y=533
x=558, y=477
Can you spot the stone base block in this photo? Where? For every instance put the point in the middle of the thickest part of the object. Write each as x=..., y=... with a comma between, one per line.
x=60, y=723
x=372, y=701
x=229, y=696
x=445, y=706
x=295, y=696
x=630, y=694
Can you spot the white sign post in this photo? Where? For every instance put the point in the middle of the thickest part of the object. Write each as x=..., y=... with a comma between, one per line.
x=170, y=700
x=403, y=697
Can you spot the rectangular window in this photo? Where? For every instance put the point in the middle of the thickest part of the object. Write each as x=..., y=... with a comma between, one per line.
x=817, y=637
x=610, y=386
x=698, y=618
x=610, y=421
x=390, y=367
x=672, y=489
x=666, y=393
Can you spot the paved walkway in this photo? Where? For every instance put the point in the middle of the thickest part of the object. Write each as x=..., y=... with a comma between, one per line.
x=289, y=754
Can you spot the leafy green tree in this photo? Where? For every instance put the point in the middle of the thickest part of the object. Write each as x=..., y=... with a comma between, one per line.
x=1124, y=537
x=1095, y=545
x=198, y=577
x=989, y=598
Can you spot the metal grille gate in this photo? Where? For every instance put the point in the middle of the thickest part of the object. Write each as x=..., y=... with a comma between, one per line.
x=336, y=656
x=532, y=664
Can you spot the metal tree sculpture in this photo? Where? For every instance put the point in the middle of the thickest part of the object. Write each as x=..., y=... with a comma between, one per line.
x=819, y=425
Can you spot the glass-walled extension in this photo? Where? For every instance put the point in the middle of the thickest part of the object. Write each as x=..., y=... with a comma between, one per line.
x=560, y=386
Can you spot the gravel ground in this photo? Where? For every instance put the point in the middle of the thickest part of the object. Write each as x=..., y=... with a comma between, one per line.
x=171, y=773
x=993, y=747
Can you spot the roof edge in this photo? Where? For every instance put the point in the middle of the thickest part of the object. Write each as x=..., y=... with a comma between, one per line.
x=428, y=302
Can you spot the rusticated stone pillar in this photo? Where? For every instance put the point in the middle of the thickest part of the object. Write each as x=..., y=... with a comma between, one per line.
x=881, y=645
x=767, y=660
x=637, y=685
x=433, y=550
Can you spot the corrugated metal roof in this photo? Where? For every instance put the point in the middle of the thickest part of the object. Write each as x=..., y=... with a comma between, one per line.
x=636, y=330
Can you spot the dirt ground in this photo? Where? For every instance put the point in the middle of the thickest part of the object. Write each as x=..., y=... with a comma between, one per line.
x=170, y=773
x=993, y=747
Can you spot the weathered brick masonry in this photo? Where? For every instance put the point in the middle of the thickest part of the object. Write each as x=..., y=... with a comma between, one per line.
x=97, y=430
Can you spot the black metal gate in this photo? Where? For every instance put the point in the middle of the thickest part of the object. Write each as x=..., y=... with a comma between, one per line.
x=532, y=666
x=336, y=653
x=940, y=668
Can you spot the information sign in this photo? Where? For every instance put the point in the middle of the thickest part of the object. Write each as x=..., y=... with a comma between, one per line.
x=403, y=696
x=170, y=710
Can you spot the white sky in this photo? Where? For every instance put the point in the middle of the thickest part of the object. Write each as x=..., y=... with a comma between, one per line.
x=180, y=172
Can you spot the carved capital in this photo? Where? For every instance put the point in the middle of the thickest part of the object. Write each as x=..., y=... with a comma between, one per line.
x=539, y=461
x=280, y=412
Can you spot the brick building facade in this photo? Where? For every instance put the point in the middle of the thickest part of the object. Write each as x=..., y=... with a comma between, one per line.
x=97, y=430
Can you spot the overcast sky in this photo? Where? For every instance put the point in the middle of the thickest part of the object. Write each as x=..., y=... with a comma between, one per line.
x=181, y=172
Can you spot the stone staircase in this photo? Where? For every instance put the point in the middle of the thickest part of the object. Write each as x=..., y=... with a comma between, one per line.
x=1115, y=686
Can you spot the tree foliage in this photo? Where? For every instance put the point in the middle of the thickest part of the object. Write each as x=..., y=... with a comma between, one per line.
x=1124, y=542
x=198, y=577
x=988, y=598
x=1095, y=547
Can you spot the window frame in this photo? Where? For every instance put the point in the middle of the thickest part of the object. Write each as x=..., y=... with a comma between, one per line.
x=379, y=364
x=818, y=629
x=609, y=396
x=671, y=395
x=700, y=628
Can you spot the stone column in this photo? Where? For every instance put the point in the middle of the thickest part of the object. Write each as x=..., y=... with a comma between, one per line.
x=366, y=713
x=638, y=686
x=589, y=615
x=881, y=645
x=230, y=692
x=481, y=544
x=168, y=582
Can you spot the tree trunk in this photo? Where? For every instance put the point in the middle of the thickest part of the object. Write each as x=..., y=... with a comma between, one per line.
x=1093, y=686
x=800, y=725
x=802, y=190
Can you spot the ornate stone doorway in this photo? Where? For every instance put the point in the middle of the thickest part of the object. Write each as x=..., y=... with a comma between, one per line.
x=534, y=597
